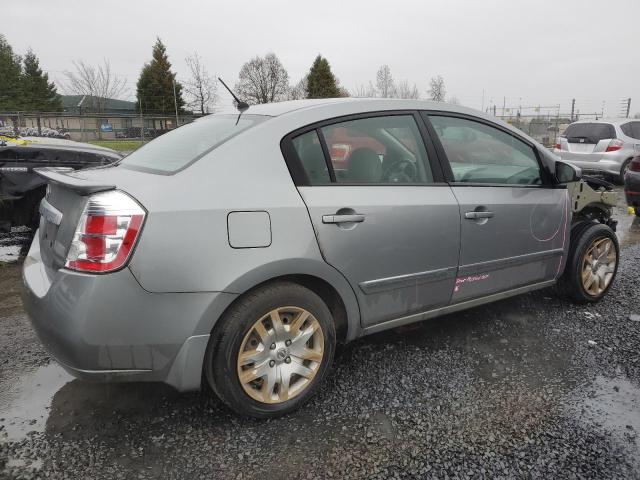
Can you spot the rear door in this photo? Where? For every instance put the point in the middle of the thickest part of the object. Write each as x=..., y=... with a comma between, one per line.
x=381, y=212
x=513, y=226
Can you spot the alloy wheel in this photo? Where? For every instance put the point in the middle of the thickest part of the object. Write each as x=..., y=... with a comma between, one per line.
x=280, y=355
x=598, y=266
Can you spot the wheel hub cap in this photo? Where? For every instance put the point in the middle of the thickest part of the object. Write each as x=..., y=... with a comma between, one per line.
x=598, y=266
x=280, y=355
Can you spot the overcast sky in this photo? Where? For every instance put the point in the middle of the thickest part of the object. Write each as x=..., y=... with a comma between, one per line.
x=533, y=53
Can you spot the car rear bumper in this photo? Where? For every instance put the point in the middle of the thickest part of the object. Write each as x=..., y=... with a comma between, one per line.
x=108, y=328
x=608, y=162
x=611, y=166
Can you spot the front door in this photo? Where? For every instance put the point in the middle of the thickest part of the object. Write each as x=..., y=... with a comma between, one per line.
x=513, y=228
x=381, y=216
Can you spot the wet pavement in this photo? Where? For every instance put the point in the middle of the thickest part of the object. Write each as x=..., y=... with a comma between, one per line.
x=532, y=386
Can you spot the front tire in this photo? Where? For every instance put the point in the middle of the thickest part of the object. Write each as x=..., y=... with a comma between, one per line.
x=271, y=350
x=619, y=179
x=592, y=263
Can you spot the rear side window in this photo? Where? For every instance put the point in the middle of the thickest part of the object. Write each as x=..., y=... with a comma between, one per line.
x=589, y=132
x=178, y=148
x=631, y=129
x=479, y=153
x=311, y=155
x=368, y=151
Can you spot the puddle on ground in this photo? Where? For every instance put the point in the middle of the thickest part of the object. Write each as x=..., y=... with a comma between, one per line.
x=612, y=404
x=628, y=230
x=24, y=405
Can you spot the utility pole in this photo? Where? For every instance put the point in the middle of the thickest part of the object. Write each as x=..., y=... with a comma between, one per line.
x=573, y=107
x=141, y=122
x=482, y=100
x=504, y=105
x=175, y=101
x=628, y=107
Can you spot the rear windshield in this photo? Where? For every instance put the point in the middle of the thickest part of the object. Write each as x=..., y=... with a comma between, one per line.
x=589, y=132
x=178, y=148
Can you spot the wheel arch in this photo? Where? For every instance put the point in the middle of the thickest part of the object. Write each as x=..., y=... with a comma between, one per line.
x=315, y=275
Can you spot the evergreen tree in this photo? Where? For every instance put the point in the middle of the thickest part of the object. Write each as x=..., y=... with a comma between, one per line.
x=11, y=97
x=321, y=82
x=155, y=85
x=38, y=93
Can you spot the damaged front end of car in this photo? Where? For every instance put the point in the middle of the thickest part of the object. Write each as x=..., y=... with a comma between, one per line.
x=593, y=199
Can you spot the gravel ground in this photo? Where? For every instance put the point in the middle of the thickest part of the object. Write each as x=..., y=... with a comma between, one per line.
x=531, y=386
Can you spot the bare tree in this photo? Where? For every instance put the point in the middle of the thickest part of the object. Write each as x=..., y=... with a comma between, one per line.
x=343, y=92
x=299, y=90
x=404, y=90
x=453, y=100
x=96, y=82
x=263, y=80
x=365, y=91
x=201, y=88
x=384, y=82
x=437, y=91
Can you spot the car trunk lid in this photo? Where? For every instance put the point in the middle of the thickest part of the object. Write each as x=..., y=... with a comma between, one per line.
x=61, y=209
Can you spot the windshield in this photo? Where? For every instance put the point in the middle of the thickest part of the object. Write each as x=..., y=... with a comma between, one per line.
x=179, y=148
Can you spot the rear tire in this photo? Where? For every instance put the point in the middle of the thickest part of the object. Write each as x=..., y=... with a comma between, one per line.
x=619, y=179
x=592, y=263
x=271, y=350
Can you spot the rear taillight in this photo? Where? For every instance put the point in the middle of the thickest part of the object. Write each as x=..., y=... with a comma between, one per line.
x=558, y=145
x=615, y=145
x=634, y=166
x=106, y=233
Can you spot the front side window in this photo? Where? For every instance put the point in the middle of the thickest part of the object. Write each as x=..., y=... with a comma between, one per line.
x=479, y=153
x=373, y=151
x=180, y=147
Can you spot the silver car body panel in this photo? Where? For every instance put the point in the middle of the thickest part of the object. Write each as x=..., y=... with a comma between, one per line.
x=97, y=325
x=388, y=258
x=151, y=320
x=533, y=223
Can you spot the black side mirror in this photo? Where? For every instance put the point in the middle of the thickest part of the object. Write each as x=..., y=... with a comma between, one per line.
x=567, y=173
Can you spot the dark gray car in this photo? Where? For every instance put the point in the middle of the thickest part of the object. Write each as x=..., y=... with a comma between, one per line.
x=242, y=248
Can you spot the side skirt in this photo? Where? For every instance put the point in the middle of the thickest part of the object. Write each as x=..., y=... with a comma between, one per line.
x=416, y=317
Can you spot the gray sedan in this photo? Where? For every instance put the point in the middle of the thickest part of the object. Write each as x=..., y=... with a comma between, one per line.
x=238, y=251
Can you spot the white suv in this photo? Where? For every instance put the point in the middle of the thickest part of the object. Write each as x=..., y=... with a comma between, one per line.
x=603, y=146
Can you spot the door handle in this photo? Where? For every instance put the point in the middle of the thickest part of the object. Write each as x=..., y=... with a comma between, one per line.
x=351, y=218
x=477, y=215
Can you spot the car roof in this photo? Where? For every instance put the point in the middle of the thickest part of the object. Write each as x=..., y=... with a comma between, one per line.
x=610, y=121
x=364, y=104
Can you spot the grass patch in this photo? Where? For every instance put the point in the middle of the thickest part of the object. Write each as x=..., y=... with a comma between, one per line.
x=118, y=145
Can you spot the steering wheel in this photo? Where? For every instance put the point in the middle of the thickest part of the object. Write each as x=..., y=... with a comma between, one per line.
x=400, y=171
